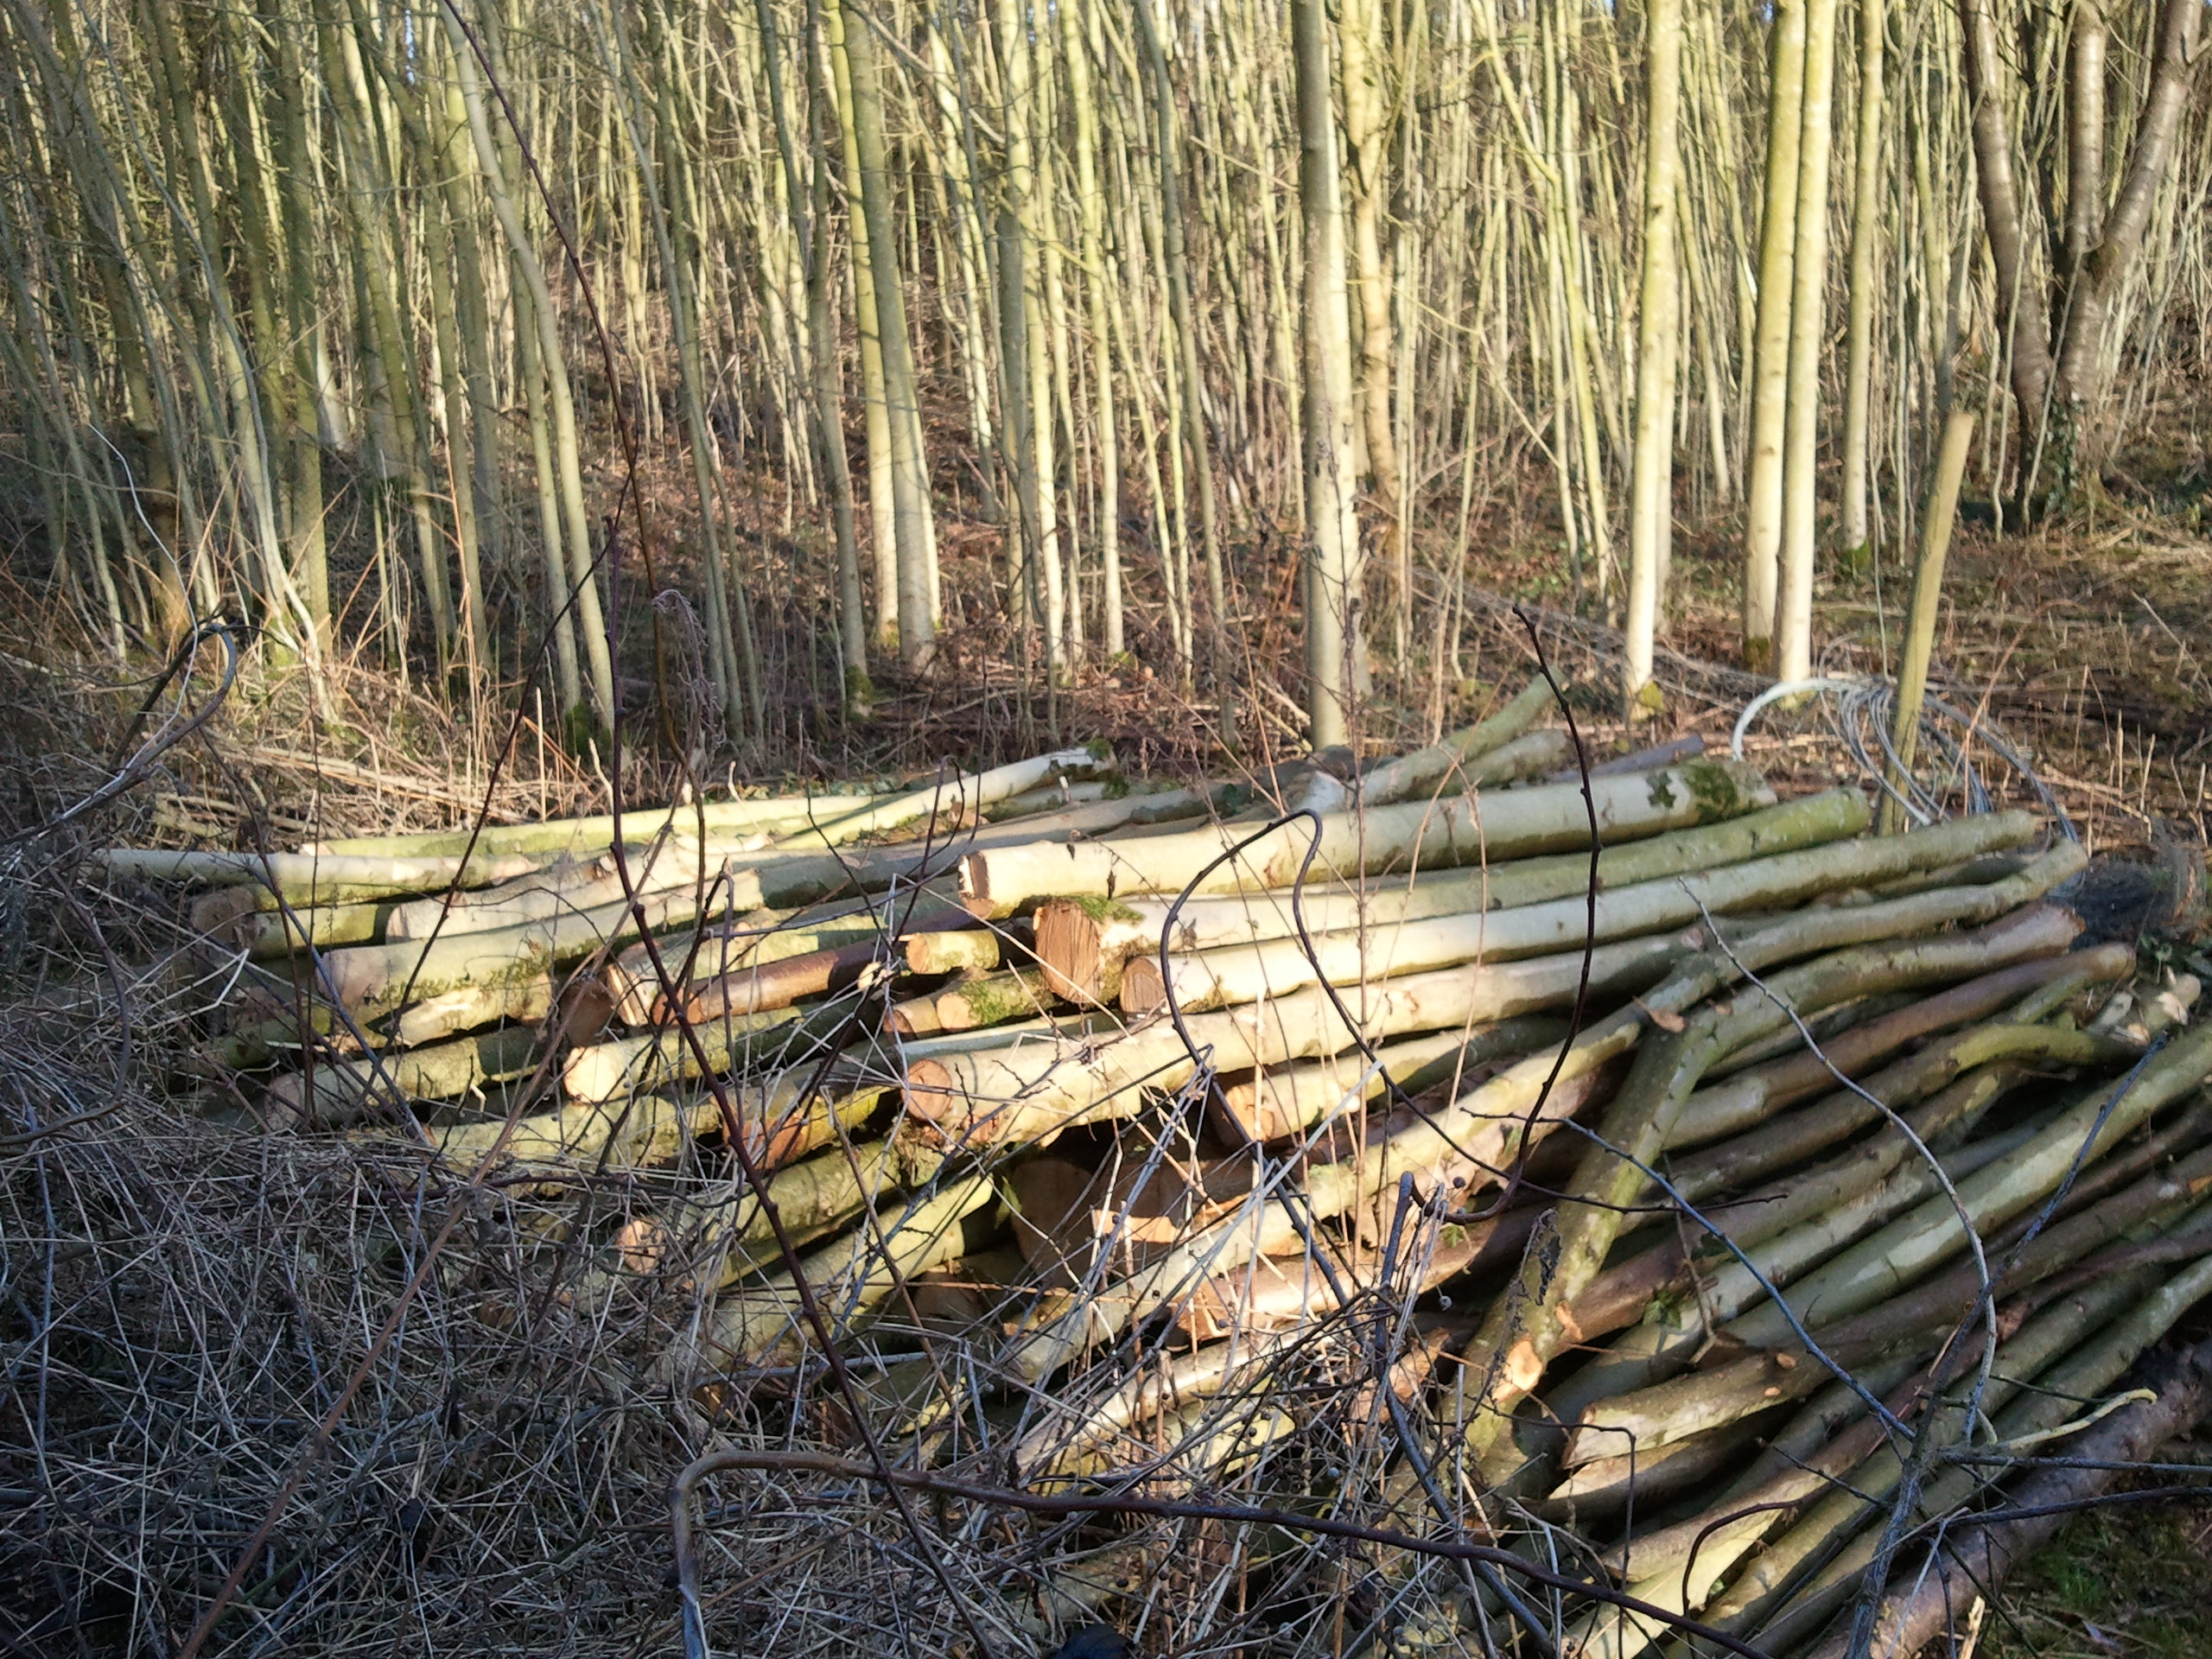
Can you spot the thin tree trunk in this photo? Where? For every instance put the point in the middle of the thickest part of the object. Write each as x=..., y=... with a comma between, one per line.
x=1080, y=38
x=1175, y=257
x=1866, y=250
x=1793, y=635
x=1651, y=505
x=1332, y=556
x=1770, y=384
x=909, y=482
x=567, y=453
x=1360, y=61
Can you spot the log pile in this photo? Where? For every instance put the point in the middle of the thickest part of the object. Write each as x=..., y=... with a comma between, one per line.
x=1707, y=1189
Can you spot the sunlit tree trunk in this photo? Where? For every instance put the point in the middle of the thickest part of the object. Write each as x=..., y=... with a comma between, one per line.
x=1651, y=498
x=1332, y=554
x=1793, y=632
x=1769, y=379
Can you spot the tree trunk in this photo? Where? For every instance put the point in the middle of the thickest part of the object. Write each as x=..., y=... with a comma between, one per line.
x=1333, y=563
x=1652, y=503
x=1770, y=370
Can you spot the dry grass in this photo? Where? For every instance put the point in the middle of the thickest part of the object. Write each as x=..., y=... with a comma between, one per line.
x=2134, y=1581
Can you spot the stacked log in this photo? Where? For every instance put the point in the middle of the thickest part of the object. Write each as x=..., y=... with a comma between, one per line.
x=1729, y=1162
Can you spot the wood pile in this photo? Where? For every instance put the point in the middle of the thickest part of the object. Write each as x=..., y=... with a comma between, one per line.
x=1720, y=1182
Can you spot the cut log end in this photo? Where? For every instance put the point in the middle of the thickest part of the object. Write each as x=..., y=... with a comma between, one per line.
x=220, y=912
x=1068, y=947
x=930, y=1093
x=976, y=885
x=1143, y=991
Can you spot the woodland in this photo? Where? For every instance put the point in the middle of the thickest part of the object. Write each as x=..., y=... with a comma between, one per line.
x=1096, y=826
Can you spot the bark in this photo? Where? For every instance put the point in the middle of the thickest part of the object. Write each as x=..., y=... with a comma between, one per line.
x=1333, y=561
x=574, y=837
x=1735, y=1104
x=1835, y=1516
x=1769, y=369
x=2081, y=369
x=1490, y=1126
x=1865, y=247
x=1280, y=1102
x=910, y=498
x=312, y=879
x=344, y=1091
x=630, y=1066
x=1975, y=1561
x=778, y=985
x=1244, y=973
x=1511, y=824
x=1411, y=774
x=1651, y=498
x=1023, y=1095
x=2086, y=1374
x=1118, y=927
x=980, y=949
x=1766, y=1151
x=1879, y=1266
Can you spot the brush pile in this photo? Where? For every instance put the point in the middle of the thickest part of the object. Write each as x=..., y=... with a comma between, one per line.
x=1697, y=1213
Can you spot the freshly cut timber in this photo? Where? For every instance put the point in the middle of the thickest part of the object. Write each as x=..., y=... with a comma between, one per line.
x=1510, y=823
x=1221, y=978
x=979, y=949
x=1373, y=1133
x=1278, y=1102
x=1748, y=1097
x=1023, y=1095
x=574, y=837
x=779, y=984
x=607, y=1071
x=336, y=1091
x=1440, y=765
x=1084, y=942
x=764, y=1321
x=695, y=954
x=312, y=879
x=966, y=795
x=1492, y=1123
